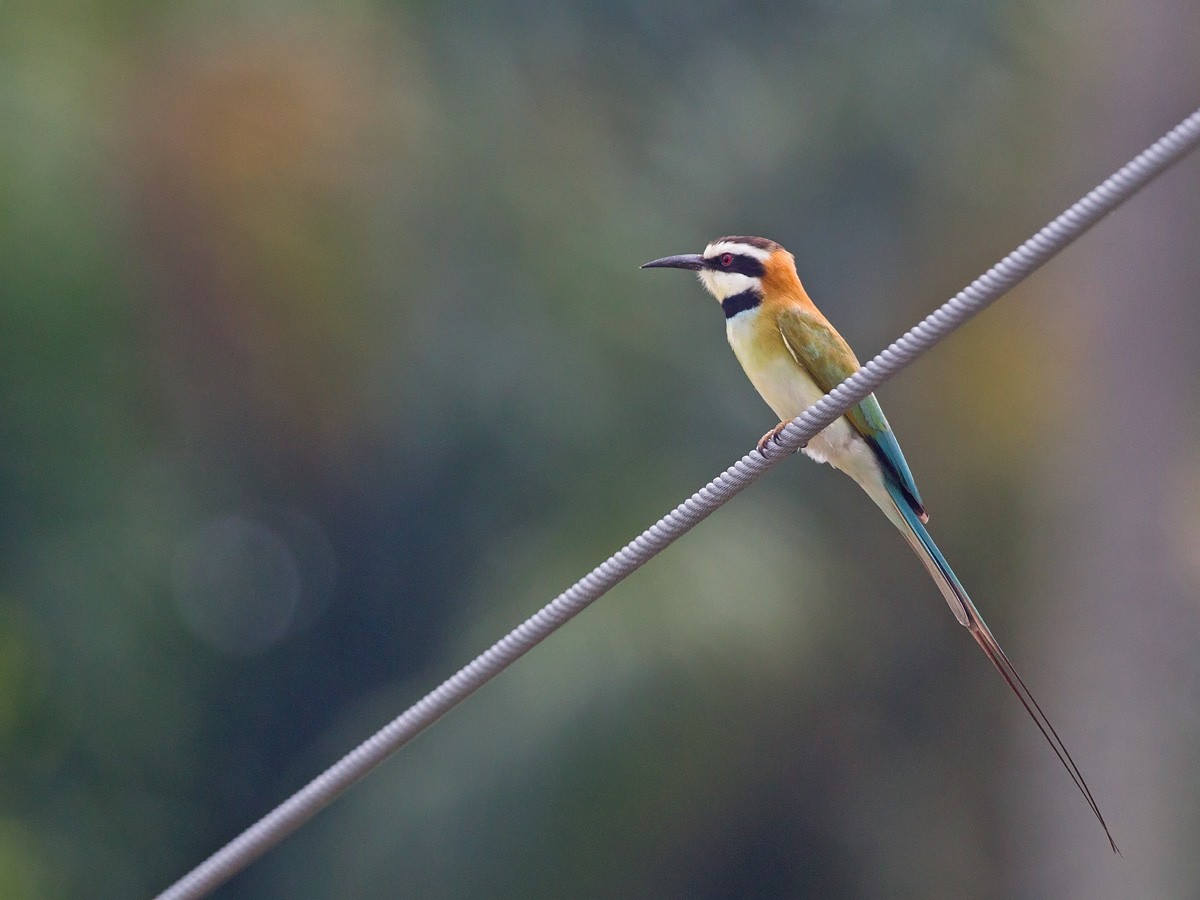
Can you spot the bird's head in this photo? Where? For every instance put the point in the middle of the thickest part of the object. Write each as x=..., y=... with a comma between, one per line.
x=733, y=266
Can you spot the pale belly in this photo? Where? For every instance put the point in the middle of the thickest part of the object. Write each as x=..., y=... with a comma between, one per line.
x=789, y=390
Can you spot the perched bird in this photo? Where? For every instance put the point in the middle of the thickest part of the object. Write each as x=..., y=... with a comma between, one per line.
x=793, y=357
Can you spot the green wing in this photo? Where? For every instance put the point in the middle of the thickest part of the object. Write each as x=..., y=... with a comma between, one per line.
x=829, y=360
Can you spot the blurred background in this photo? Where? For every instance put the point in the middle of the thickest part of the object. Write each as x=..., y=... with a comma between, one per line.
x=326, y=360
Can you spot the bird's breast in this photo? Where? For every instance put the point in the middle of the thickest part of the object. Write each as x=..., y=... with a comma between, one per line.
x=759, y=347
x=789, y=390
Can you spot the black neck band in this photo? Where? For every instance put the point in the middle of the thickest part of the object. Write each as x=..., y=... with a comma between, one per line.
x=739, y=303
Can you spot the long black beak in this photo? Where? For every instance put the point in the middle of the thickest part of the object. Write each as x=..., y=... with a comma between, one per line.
x=693, y=261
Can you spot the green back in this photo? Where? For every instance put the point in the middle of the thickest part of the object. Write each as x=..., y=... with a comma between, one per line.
x=829, y=360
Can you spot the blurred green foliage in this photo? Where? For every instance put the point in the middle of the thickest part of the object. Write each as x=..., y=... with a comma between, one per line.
x=326, y=359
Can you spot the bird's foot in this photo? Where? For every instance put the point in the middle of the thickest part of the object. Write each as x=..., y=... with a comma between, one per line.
x=771, y=437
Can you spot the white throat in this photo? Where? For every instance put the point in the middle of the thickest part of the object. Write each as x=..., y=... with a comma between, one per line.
x=726, y=284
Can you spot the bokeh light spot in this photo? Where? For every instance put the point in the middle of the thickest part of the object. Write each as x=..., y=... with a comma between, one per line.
x=236, y=584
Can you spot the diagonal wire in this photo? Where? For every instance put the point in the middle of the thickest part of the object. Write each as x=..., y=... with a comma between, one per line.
x=322, y=790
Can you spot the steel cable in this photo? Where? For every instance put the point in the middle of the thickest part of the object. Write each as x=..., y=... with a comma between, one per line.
x=322, y=790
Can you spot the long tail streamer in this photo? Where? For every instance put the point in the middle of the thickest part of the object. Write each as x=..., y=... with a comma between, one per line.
x=956, y=595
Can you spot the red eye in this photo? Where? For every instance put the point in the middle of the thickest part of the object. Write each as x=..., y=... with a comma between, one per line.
x=726, y=260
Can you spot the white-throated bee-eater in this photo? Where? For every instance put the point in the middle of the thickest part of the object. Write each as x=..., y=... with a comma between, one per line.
x=793, y=357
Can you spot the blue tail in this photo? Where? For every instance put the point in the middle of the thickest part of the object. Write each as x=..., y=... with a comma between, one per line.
x=921, y=541
x=966, y=613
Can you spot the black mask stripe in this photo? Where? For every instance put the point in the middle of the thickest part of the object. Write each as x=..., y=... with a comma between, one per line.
x=739, y=303
x=742, y=264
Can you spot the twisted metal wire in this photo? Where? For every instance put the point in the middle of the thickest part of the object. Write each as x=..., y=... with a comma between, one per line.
x=322, y=790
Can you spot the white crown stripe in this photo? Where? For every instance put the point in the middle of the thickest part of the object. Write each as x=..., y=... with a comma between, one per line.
x=718, y=247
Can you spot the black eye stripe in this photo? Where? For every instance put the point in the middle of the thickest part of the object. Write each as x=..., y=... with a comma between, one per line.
x=742, y=264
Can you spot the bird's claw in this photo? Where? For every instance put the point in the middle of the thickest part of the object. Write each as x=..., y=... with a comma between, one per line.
x=771, y=437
